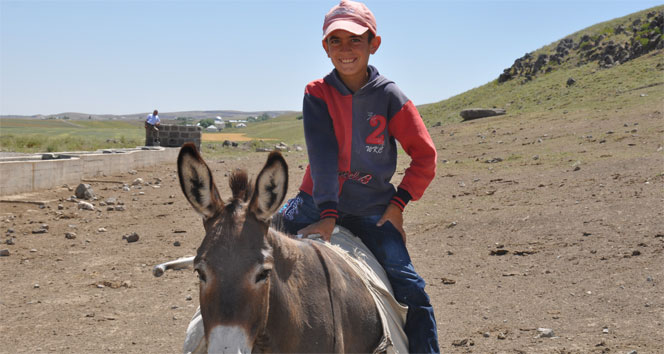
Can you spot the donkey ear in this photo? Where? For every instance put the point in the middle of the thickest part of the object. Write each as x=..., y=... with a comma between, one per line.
x=271, y=186
x=197, y=183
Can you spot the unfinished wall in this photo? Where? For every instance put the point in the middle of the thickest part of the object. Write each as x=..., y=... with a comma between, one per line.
x=176, y=135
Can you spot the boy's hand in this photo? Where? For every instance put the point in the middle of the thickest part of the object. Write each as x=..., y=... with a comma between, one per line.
x=324, y=227
x=394, y=215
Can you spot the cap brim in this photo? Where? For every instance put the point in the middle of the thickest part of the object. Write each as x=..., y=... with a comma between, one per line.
x=349, y=26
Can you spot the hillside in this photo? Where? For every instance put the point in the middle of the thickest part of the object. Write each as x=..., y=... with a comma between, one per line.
x=228, y=114
x=606, y=63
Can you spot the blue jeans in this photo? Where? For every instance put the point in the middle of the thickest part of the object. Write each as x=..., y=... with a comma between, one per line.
x=387, y=245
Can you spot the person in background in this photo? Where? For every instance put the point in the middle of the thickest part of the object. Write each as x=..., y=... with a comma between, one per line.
x=353, y=118
x=152, y=123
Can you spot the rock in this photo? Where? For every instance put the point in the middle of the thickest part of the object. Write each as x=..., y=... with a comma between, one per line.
x=132, y=172
x=60, y=206
x=132, y=237
x=137, y=182
x=4, y=253
x=111, y=201
x=188, y=298
x=101, y=229
x=545, y=333
x=70, y=235
x=176, y=243
x=85, y=206
x=500, y=252
x=126, y=188
x=84, y=191
x=571, y=81
x=474, y=113
x=10, y=241
x=494, y=160
x=119, y=208
x=40, y=231
x=36, y=286
x=463, y=342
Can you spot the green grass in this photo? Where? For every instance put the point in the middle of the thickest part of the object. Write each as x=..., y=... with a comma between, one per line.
x=29, y=135
x=286, y=128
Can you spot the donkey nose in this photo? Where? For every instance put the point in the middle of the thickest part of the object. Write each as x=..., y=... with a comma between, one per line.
x=228, y=340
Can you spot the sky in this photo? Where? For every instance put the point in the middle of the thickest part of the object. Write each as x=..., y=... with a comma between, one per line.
x=124, y=57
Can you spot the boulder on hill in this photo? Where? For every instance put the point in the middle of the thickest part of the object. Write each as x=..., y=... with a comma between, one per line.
x=474, y=113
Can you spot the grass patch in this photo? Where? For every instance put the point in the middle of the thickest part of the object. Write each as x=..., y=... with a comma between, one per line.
x=34, y=136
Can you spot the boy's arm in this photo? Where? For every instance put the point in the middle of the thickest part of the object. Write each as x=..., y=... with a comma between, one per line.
x=408, y=128
x=322, y=148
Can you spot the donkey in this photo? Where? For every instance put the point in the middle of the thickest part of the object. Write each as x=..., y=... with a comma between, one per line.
x=264, y=291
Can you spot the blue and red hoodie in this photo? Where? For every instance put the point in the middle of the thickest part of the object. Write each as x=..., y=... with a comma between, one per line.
x=351, y=141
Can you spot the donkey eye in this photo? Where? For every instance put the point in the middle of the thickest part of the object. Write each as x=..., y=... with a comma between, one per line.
x=201, y=275
x=262, y=275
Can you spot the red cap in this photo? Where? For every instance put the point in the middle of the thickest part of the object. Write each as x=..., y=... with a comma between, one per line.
x=351, y=16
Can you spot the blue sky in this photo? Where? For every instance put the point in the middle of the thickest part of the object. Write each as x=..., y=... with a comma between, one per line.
x=123, y=57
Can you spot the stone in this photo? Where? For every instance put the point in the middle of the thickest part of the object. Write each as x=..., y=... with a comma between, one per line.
x=571, y=81
x=545, y=333
x=85, y=206
x=474, y=113
x=84, y=191
x=137, y=182
x=111, y=201
x=4, y=253
x=70, y=235
x=132, y=237
x=119, y=208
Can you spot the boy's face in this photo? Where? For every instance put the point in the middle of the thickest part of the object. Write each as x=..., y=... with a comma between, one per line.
x=350, y=53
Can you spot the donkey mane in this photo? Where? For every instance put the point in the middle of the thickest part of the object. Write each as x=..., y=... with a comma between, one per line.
x=240, y=186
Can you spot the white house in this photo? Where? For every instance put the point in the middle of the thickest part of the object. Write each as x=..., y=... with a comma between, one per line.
x=212, y=129
x=219, y=123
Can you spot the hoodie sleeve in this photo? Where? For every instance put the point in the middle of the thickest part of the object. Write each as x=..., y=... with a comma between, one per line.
x=408, y=128
x=322, y=148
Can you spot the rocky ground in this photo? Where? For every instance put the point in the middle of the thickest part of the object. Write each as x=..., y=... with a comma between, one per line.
x=540, y=234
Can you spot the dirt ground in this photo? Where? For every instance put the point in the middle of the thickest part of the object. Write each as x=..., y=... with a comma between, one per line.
x=541, y=221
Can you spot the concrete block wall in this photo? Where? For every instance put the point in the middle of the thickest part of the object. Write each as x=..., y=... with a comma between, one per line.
x=32, y=174
x=176, y=135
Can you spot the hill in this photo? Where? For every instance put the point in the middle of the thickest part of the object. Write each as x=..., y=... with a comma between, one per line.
x=599, y=66
x=197, y=115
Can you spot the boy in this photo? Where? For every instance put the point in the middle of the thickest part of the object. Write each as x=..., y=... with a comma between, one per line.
x=351, y=120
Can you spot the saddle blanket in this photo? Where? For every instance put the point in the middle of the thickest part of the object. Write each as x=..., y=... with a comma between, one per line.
x=351, y=248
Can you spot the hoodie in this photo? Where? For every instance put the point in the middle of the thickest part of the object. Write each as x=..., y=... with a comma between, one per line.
x=351, y=141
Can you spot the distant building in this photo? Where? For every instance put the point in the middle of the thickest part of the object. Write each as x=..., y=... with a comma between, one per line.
x=240, y=125
x=211, y=129
x=219, y=123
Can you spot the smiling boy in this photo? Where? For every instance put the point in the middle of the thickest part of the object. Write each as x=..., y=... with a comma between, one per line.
x=352, y=120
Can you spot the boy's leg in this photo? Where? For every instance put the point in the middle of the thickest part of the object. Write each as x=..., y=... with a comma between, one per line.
x=298, y=213
x=387, y=245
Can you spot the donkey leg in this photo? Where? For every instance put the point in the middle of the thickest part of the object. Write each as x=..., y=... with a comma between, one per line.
x=181, y=263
